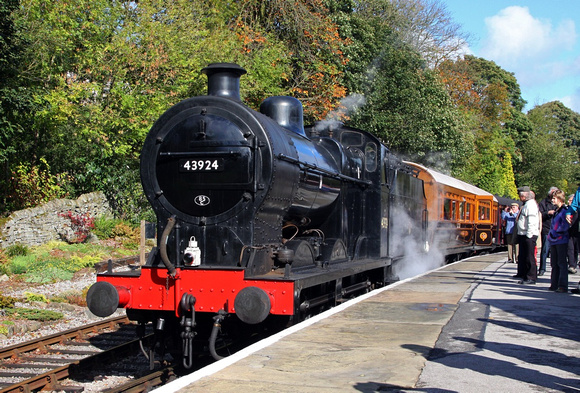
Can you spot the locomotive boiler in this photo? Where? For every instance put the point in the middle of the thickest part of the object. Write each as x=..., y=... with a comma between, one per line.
x=260, y=218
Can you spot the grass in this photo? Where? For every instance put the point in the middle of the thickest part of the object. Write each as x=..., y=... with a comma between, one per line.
x=58, y=261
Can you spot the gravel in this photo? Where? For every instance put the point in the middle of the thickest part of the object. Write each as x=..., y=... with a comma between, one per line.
x=74, y=315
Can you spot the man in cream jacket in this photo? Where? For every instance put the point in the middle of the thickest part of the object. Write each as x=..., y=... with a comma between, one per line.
x=528, y=227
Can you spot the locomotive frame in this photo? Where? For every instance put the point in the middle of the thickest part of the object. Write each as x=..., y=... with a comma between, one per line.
x=272, y=222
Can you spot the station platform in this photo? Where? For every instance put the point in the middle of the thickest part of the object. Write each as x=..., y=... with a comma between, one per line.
x=465, y=327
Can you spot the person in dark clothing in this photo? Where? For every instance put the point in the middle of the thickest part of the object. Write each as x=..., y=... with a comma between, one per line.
x=547, y=209
x=573, y=241
x=558, y=237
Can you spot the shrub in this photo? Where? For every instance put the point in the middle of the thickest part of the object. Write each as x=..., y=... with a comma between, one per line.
x=105, y=226
x=21, y=264
x=80, y=224
x=35, y=297
x=72, y=297
x=7, y=301
x=48, y=275
x=33, y=185
x=4, y=261
x=34, y=315
x=17, y=250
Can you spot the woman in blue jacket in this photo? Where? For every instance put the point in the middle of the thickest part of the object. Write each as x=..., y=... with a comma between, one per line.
x=558, y=237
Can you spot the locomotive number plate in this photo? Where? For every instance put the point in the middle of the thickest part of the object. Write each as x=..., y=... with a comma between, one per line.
x=202, y=165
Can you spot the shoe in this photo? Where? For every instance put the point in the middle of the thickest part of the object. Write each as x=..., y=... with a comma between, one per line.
x=552, y=289
x=562, y=290
x=575, y=290
x=516, y=276
x=541, y=273
x=571, y=270
x=509, y=261
x=529, y=282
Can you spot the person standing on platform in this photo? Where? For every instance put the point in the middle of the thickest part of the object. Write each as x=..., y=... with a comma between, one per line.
x=547, y=209
x=573, y=208
x=558, y=238
x=573, y=242
x=528, y=230
x=509, y=216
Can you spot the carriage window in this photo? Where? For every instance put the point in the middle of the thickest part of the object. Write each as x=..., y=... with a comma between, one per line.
x=483, y=213
x=447, y=209
x=462, y=210
x=371, y=157
x=468, y=212
x=453, y=210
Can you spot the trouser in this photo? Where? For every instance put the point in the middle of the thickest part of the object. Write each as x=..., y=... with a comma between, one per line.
x=512, y=244
x=544, y=252
x=573, y=252
x=559, y=263
x=527, y=267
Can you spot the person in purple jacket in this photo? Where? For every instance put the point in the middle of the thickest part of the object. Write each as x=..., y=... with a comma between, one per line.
x=558, y=238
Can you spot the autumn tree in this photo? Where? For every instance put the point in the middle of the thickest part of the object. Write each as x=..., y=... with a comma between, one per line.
x=490, y=101
x=312, y=43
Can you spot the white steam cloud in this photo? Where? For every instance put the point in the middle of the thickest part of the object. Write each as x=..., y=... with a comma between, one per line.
x=406, y=240
x=347, y=106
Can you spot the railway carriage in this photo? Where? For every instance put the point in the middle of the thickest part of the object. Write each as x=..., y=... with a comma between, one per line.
x=462, y=218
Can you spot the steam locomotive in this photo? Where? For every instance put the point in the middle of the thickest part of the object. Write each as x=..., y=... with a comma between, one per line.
x=263, y=220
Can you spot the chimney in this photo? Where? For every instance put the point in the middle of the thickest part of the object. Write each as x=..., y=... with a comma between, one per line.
x=223, y=80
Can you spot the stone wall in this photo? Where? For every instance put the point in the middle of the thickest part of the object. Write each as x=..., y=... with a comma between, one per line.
x=41, y=224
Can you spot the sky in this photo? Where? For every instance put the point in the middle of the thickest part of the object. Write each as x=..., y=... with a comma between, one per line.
x=537, y=40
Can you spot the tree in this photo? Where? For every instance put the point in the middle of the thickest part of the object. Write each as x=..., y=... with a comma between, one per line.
x=313, y=45
x=551, y=156
x=106, y=71
x=490, y=100
x=405, y=104
x=428, y=28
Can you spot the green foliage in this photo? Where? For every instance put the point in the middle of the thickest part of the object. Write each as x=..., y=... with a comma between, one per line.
x=35, y=297
x=104, y=227
x=551, y=156
x=58, y=261
x=7, y=301
x=34, y=315
x=17, y=250
x=4, y=261
x=21, y=264
x=34, y=184
x=125, y=232
x=83, y=81
x=408, y=108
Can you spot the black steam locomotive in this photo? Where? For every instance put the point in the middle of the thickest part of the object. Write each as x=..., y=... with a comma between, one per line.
x=259, y=218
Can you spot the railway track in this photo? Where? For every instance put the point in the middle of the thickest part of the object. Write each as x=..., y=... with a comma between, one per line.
x=44, y=363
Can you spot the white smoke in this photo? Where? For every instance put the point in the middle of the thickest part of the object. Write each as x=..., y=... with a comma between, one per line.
x=419, y=255
x=347, y=106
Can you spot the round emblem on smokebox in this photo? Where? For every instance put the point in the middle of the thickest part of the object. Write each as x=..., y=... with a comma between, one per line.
x=202, y=200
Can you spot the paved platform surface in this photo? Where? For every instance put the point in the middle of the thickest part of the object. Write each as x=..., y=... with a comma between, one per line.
x=466, y=327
